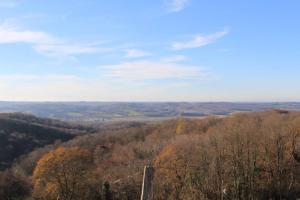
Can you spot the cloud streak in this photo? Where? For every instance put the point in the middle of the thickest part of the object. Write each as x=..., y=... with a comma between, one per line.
x=177, y=5
x=51, y=88
x=150, y=70
x=176, y=58
x=12, y=34
x=64, y=50
x=8, y=3
x=200, y=40
x=44, y=43
x=74, y=88
x=136, y=53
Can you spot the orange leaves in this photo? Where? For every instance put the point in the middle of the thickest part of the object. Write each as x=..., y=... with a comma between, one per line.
x=62, y=173
x=181, y=126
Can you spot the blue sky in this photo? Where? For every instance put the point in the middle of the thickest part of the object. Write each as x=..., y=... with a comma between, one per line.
x=158, y=50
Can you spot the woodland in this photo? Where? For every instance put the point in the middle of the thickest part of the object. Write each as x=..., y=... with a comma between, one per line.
x=249, y=156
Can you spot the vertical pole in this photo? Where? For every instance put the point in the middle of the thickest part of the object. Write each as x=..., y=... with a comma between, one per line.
x=147, y=183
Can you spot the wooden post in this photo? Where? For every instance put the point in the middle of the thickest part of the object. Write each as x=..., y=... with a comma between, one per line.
x=147, y=183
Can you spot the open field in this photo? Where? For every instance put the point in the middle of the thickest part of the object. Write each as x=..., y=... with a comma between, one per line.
x=136, y=111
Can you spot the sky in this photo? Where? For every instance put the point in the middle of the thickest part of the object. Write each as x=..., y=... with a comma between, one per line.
x=158, y=50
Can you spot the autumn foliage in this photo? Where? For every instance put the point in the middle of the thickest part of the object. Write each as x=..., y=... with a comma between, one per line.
x=244, y=156
x=62, y=174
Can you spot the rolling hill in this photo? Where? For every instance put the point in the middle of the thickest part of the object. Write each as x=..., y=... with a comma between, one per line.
x=20, y=134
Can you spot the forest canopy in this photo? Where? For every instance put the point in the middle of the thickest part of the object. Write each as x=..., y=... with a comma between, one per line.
x=242, y=156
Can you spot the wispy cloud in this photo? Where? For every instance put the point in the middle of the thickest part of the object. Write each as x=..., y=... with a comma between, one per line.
x=176, y=5
x=136, y=53
x=200, y=40
x=43, y=42
x=33, y=77
x=8, y=3
x=57, y=50
x=51, y=88
x=176, y=58
x=73, y=88
x=12, y=34
x=149, y=70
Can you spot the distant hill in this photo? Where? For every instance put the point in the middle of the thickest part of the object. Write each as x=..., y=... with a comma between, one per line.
x=20, y=134
x=90, y=112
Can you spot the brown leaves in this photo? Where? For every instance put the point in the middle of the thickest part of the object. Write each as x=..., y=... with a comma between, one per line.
x=63, y=172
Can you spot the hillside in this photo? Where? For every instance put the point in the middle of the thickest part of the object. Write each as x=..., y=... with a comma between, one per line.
x=20, y=134
x=243, y=156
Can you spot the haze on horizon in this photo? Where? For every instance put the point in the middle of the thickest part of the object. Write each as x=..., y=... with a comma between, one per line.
x=161, y=50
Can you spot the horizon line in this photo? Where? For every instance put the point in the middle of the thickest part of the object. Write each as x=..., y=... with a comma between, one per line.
x=9, y=101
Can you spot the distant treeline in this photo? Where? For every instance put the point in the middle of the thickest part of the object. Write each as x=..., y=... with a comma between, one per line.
x=136, y=111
